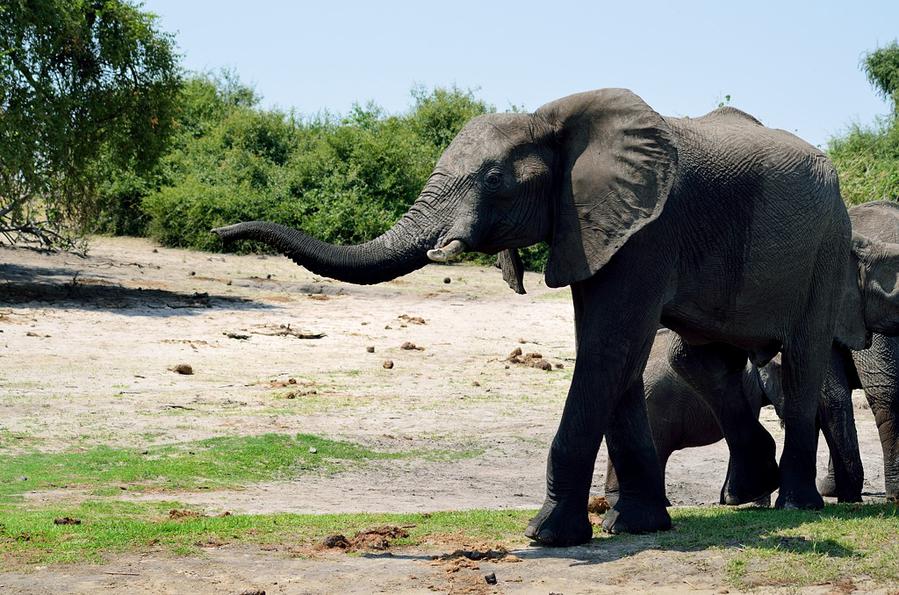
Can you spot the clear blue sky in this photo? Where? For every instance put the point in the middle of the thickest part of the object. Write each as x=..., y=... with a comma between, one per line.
x=794, y=65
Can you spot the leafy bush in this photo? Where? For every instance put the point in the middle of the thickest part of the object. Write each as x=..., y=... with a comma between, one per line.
x=867, y=157
x=341, y=179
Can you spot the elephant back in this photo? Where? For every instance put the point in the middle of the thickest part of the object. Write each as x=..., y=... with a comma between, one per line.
x=877, y=220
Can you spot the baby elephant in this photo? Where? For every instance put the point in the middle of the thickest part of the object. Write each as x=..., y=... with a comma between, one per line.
x=678, y=417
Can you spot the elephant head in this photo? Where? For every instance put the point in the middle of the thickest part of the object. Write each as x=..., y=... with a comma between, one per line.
x=584, y=173
x=871, y=287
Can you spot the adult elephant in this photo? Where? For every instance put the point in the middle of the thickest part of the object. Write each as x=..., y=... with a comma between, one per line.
x=875, y=370
x=730, y=233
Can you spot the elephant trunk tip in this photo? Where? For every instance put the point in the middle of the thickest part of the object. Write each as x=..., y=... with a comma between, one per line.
x=228, y=233
x=447, y=252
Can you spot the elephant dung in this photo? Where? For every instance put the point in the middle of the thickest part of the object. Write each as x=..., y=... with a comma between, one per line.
x=533, y=360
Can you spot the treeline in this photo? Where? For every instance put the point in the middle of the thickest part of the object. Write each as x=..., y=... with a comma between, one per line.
x=101, y=131
x=343, y=179
x=867, y=156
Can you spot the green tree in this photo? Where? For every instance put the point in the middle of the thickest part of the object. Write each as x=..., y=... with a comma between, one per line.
x=867, y=157
x=87, y=89
x=882, y=68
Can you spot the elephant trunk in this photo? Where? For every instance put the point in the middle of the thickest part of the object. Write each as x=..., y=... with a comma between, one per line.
x=398, y=251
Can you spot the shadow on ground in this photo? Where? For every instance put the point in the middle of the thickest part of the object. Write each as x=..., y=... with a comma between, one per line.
x=61, y=287
x=696, y=531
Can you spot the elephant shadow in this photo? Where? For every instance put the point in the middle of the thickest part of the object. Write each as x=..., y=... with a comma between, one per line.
x=697, y=530
x=62, y=287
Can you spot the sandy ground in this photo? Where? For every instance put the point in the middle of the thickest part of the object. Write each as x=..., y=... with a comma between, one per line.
x=86, y=350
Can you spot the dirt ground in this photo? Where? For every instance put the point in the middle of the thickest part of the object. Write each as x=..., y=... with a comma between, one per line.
x=86, y=350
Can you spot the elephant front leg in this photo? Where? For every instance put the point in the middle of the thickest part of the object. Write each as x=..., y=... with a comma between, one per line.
x=878, y=372
x=845, y=474
x=640, y=506
x=610, y=358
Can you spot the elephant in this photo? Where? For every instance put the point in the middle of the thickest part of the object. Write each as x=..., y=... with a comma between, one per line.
x=875, y=227
x=679, y=418
x=732, y=234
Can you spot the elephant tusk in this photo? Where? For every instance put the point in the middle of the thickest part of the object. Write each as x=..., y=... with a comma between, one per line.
x=447, y=252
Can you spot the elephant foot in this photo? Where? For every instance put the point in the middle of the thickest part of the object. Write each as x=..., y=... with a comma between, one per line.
x=827, y=486
x=892, y=491
x=560, y=524
x=632, y=515
x=750, y=482
x=799, y=498
x=845, y=490
x=763, y=502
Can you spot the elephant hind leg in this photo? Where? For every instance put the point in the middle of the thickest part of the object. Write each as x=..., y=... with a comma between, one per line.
x=715, y=371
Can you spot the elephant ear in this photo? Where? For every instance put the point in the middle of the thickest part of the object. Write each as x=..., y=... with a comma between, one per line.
x=618, y=164
x=851, y=330
x=880, y=285
x=513, y=269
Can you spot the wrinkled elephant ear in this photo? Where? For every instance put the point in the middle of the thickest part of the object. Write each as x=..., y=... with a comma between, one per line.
x=513, y=269
x=618, y=165
x=880, y=291
x=851, y=331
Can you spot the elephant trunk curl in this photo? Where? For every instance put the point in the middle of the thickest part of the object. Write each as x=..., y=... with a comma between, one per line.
x=398, y=251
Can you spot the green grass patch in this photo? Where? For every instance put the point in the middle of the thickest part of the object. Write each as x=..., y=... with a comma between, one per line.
x=767, y=547
x=212, y=463
x=31, y=537
x=762, y=547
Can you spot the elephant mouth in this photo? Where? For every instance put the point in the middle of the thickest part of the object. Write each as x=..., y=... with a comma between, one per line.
x=448, y=251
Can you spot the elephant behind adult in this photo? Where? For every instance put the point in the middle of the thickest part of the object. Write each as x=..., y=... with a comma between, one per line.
x=874, y=370
x=732, y=234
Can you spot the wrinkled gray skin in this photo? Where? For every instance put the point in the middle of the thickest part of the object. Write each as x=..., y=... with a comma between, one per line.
x=875, y=370
x=679, y=418
x=731, y=234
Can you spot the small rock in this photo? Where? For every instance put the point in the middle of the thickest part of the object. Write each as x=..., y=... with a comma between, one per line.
x=490, y=578
x=560, y=365
x=476, y=383
x=313, y=450
x=447, y=280
x=388, y=364
x=193, y=273
x=23, y=478
x=370, y=349
x=185, y=369
x=410, y=346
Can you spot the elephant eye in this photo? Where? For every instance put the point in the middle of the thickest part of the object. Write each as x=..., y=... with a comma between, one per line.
x=493, y=180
